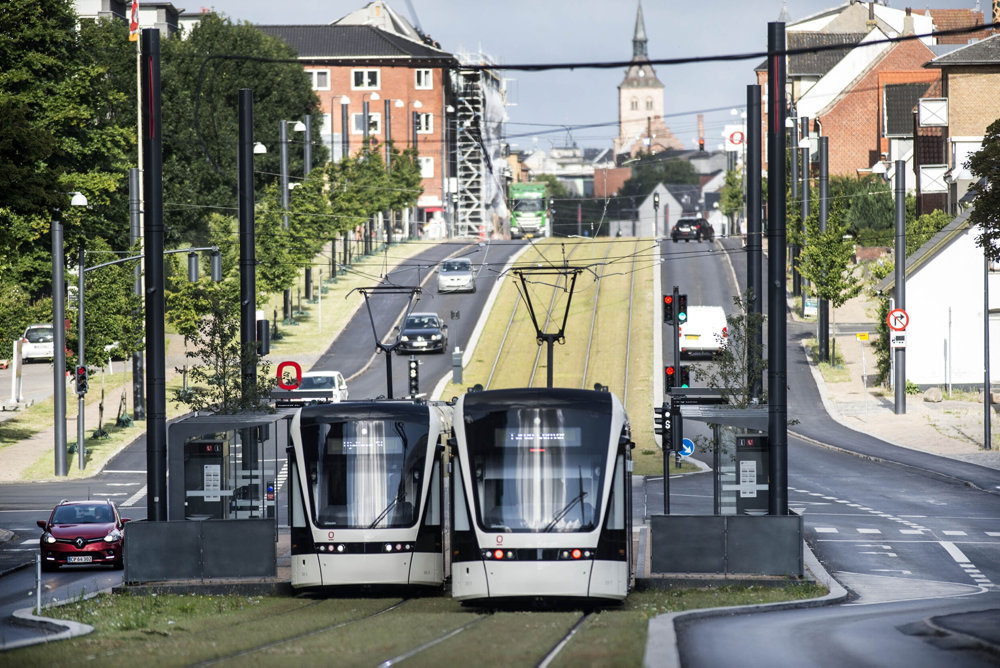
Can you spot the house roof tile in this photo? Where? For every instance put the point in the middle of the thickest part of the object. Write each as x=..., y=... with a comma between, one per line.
x=351, y=42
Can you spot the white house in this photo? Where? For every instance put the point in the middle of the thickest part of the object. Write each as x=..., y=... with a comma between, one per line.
x=945, y=280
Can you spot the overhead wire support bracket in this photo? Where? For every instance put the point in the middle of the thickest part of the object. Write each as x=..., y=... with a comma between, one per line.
x=411, y=291
x=525, y=274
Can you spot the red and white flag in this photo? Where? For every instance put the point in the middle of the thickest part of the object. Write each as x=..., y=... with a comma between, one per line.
x=133, y=24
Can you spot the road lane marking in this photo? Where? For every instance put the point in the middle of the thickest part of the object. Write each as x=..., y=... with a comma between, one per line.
x=955, y=553
x=825, y=530
x=132, y=500
x=953, y=533
x=869, y=531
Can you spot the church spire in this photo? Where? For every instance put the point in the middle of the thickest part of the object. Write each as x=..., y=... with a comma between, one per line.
x=639, y=38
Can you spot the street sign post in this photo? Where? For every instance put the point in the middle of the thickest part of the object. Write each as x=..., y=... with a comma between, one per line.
x=897, y=319
x=687, y=447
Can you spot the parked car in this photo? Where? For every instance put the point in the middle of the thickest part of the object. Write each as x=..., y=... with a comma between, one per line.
x=324, y=381
x=37, y=343
x=82, y=532
x=692, y=228
x=423, y=331
x=456, y=275
x=705, y=331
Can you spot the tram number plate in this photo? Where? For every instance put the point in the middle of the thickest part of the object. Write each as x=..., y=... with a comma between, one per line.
x=86, y=559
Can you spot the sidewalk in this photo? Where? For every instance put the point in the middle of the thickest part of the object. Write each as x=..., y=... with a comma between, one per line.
x=951, y=428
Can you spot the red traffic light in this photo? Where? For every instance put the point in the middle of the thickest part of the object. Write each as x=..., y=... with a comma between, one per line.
x=670, y=370
x=668, y=299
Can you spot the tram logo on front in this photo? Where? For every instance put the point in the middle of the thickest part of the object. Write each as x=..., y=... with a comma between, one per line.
x=500, y=539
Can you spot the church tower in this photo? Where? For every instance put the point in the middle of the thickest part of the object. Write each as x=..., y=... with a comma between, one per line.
x=640, y=102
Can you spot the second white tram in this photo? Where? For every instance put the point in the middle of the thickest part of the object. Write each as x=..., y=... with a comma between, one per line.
x=541, y=496
x=366, y=490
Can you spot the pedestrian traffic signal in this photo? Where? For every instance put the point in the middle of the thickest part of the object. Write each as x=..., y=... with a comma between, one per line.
x=682, y=308
x=81, y=380
x=668, y=309
x=685, y=376
x=414, y=376
x=670, y=372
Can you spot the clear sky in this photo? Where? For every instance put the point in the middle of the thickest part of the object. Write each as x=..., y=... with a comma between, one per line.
x=545, y=104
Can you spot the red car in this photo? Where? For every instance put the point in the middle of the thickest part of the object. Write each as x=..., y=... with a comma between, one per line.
x=82, y=532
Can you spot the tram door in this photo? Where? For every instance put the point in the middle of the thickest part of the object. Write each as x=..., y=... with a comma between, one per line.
x=206, y=486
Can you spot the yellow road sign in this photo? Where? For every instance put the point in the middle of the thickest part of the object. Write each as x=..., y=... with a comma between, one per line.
x=862, y=336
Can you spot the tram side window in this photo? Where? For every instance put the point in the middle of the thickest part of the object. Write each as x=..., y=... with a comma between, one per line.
x=459, y=505
x=433, y=515
x=295, y=495
x=616, y=507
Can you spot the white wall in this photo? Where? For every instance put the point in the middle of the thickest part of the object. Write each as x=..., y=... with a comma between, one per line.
x=951, y=279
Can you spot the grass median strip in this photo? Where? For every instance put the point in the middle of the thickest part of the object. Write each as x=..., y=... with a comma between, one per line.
x=174, y=630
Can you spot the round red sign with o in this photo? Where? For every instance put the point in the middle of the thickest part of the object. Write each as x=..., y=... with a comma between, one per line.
x=281, y=375
x=736, y=137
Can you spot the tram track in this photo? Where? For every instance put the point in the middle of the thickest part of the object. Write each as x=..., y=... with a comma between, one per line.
x=593, y=316
x=559, y=646
x=250, y=651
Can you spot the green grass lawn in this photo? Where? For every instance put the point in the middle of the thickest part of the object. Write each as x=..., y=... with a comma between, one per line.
x=177, y=630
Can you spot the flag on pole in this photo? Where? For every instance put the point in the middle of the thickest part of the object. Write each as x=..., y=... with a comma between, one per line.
x=133, y=25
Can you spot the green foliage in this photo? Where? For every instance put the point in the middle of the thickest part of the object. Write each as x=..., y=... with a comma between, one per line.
x=911, y=387
x=985, y=166
x=229, y=377
x=741, y=360
x=557, y=189
x=922, y=229
x=731, y=200
x=826, y=262
x=883, y=354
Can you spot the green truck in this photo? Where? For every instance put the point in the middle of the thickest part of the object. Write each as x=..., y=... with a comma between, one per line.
x=529, y=213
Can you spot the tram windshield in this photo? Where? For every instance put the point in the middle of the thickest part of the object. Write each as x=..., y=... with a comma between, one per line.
x=538, y=469
x=365, y=474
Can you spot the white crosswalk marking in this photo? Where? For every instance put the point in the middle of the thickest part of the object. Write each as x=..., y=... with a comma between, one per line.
x=825, y=530
x=869, y=531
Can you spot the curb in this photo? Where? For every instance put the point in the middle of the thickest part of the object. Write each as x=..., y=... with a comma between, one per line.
x=61, y=629
x=661, y=643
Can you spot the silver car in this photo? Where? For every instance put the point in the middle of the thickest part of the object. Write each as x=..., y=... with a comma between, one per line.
x=456, y=275
x=37, y=343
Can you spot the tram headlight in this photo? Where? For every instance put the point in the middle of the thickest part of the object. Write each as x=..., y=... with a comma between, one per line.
x=388, y=547
x=340, y=548
x=575, y=554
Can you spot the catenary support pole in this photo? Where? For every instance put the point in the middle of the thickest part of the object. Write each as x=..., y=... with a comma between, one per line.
x=134, y=235
x=777, y=376
x=81, y=427
x=248, y=254
x=824, y=209
x=152, y=159
x=899, y=354
x=755, y=280
x=59, y=346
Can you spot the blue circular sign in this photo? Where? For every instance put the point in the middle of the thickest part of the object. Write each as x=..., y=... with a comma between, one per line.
x=687, y=447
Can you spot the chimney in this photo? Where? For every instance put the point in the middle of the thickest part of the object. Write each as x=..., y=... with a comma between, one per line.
x=908, y=22
x=871, y=23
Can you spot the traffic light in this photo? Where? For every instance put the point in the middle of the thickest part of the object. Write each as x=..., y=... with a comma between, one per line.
x=414, y=376
x=661, y=420
x=685, y=376
x=668, y=309
x=682, y=308
x=671, y=373
x=701, y=145
x=81, y=380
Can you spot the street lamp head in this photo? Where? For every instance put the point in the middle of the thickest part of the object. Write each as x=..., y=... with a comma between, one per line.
x=399, y=104
x=78, y=199
x=299, y=126
x=417, y=104
x=259, y=148
x=374, y=96
x=344, y=99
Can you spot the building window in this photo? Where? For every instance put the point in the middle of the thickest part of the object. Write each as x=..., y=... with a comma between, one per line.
x=994, y=267
x=364, y=79
x=424, y=80
x=425, y=123
x=320, y=79
x=426, y=167
x=649, y=104
x=374, y=124
x=633, y=104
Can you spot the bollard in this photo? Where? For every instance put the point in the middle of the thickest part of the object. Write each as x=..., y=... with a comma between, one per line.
x=456, y=366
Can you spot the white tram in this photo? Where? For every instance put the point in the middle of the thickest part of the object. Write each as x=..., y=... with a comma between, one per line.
x=366, y=490
x=541, y=492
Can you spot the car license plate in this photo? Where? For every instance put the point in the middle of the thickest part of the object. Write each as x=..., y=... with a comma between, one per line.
x=692, y=336
x=420, y=344
x=84, y=559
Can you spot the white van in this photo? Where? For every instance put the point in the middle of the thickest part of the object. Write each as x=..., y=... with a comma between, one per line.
x=705, y=331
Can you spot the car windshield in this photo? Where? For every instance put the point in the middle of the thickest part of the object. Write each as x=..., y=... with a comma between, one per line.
x=528, y=205
x=421, y=322
x=93, y=514
x=456, y=265
x=38, y=334
x=318, y=383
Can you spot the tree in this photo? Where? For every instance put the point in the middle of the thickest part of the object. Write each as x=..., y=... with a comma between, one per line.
x=826, y=261
x=201, y=79
x=741, y=363
x=731, y=194
x=985, y=166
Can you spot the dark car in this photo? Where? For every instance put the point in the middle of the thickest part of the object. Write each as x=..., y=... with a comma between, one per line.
x=423, y=331
x=82, y=532
x=692, y=228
